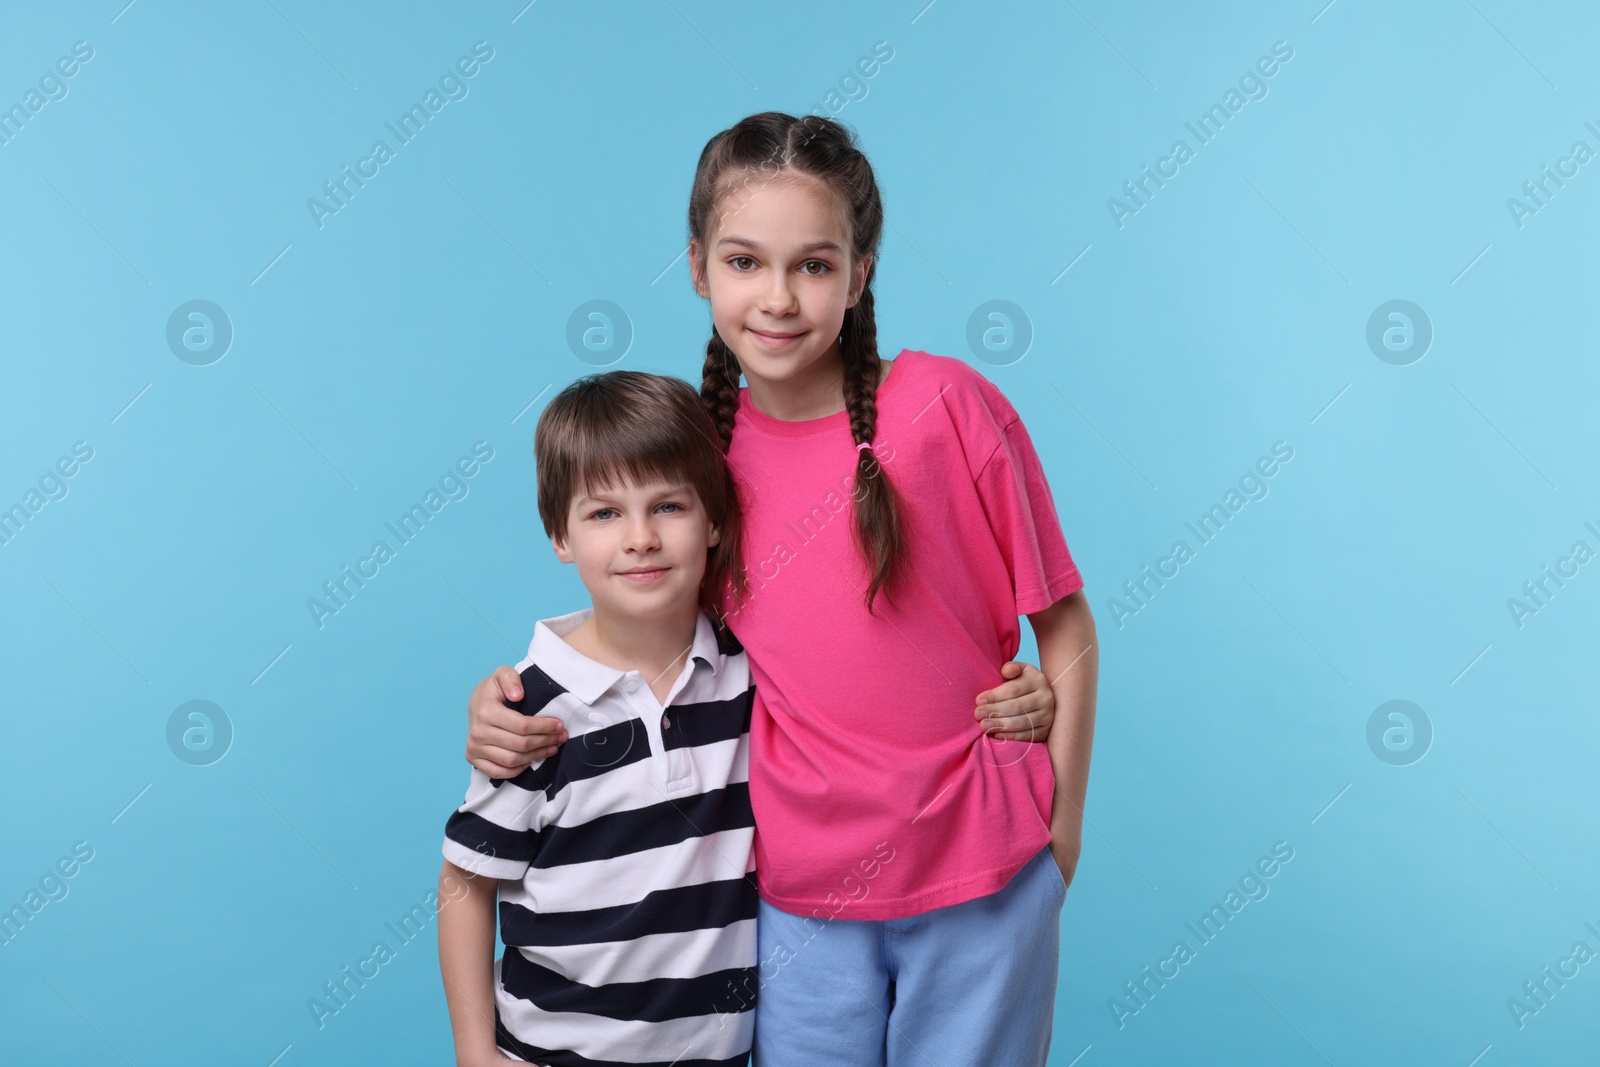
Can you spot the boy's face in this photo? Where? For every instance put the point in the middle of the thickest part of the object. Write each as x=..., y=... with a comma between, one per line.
x=640, y=548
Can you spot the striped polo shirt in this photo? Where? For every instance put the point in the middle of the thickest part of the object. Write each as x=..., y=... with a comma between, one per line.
x=627, y=890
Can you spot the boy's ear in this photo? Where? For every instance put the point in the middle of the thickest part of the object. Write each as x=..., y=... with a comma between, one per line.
x=563, y=553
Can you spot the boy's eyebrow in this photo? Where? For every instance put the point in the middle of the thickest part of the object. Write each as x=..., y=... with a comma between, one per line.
x=602, y=497
x=814, y=246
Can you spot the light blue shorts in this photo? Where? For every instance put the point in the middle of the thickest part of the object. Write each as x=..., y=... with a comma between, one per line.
x=973, y=983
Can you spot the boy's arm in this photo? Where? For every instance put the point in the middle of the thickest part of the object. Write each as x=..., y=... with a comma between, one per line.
x=1069, y=654
x=466, y=962
x=1021, y=709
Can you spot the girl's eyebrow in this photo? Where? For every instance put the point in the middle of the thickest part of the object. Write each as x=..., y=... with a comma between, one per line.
x=814, y=246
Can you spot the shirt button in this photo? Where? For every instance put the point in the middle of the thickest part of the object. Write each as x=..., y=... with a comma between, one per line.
x=631, y=685
x=666, y=723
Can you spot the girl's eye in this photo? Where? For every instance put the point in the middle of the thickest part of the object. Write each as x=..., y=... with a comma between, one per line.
x=815, y=263
x=736, y=260
x=670, y=504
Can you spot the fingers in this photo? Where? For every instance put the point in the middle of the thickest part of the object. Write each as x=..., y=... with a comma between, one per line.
x=1026, y=680
x=524, y=745
x=1024, y=736
x=1027, y=716
x=1000, y=694
x=1014, y=708
x=498, y=762
x=1038, y=733
x=518, y=758
x=1009, y=724
x=986, y=714
x=487, y=697
x=545, y=726
x=497, y=717
x=510, y=682
x=1011, y=669
x=525, y=734
x=1008, y=691
x=498, y=770
x=1024, y=704
x=1020, y=737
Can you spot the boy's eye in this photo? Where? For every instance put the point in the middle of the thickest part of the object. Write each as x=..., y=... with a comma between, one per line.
x=603, y=513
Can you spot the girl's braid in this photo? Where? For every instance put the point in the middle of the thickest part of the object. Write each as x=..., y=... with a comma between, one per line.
x=719, y=386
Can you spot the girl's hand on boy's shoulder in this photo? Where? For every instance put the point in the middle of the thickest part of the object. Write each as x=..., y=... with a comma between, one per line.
x=1021, y=709
x=503, y=742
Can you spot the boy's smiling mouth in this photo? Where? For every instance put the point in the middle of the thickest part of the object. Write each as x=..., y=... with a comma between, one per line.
x=644, y=574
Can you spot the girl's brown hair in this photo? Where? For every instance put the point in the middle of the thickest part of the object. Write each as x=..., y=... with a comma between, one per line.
x=773, y=145
x=626, y=425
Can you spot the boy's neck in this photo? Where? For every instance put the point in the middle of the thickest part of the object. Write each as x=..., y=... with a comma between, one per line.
x=652, y=646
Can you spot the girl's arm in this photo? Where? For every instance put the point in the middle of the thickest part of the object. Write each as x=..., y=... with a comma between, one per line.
x=466, y=962
x=1069, y=655
x=502, y=742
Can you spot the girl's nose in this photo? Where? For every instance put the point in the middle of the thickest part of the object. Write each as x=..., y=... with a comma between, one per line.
x=779, y=298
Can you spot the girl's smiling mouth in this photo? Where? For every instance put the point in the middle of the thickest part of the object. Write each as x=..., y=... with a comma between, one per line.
x=776, y=340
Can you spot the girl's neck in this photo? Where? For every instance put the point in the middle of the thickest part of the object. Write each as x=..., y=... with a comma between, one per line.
x=814, y=393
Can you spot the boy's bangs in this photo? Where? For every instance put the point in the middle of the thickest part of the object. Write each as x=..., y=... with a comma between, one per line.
x=609, y=455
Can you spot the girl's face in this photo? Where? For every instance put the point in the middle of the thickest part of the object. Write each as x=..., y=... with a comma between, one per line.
x=778, y=273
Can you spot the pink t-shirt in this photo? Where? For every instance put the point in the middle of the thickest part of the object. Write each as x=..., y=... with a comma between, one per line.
x=876, y=793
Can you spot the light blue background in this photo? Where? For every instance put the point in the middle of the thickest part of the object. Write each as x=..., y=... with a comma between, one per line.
x=428, y=314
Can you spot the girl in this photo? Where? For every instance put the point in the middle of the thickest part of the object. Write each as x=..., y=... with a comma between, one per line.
x=898, y=522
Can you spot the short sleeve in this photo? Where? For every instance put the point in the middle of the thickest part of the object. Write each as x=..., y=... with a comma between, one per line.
x=493, y=833
x=1022, y=514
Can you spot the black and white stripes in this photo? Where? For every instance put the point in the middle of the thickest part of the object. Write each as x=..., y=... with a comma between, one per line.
x=627, y=897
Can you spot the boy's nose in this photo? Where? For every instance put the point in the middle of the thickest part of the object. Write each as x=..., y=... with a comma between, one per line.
x=641, y=535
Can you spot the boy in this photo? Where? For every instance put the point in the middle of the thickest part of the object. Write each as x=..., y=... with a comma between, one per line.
x=626, y=899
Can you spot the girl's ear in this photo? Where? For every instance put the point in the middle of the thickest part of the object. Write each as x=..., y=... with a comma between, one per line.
x=697, y=268
x=858, y=282
x=715, y=538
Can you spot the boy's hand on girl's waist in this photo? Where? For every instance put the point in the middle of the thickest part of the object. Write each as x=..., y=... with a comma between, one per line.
x=502, y=742
x=1020, y=709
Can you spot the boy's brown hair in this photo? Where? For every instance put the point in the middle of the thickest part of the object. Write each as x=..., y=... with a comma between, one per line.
x=631, y=426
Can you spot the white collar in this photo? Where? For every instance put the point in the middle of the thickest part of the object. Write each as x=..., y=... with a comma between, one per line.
x=589, y=679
